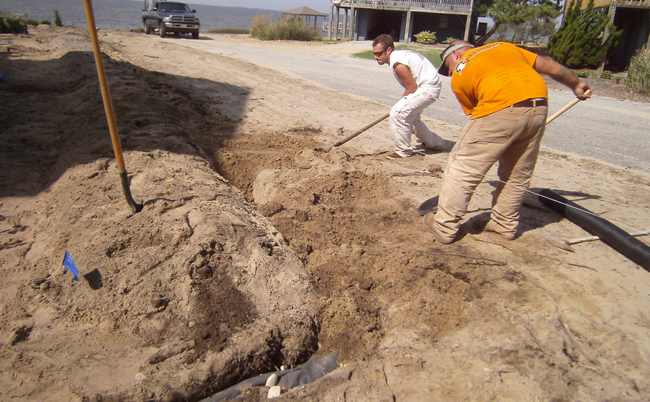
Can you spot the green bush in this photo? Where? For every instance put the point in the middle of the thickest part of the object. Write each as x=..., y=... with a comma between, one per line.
x=581, y=41
x=11, y=24
x=57, y=19
x=426, y=37
x=291, y=28
x=638, y=75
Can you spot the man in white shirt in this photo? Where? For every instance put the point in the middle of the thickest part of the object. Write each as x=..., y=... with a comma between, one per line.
x=422, y=86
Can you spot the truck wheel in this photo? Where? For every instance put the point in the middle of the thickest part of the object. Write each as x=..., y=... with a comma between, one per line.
x=161, y=28
x=195, y=35
x=147, y=28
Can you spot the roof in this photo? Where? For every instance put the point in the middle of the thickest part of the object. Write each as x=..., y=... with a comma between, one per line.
x=304, y=11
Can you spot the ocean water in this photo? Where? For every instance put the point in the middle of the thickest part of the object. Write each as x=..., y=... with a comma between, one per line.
x=127, y=13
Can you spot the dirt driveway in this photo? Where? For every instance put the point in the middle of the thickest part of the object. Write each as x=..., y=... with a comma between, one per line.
x=255, y=251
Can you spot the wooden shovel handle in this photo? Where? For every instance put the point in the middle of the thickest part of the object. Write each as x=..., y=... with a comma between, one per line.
x=356, y=133
x=564, y=109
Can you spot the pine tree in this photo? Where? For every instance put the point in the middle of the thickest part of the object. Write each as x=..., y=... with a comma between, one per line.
x=581, y=41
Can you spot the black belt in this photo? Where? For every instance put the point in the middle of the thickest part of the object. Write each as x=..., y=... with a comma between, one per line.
x=531, y=102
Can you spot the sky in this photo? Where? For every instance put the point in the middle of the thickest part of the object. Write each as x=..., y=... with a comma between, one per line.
x=320, y=5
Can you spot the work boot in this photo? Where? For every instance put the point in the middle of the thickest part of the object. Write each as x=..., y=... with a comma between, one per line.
x=444, y=235
x=493, y=227
x=429, y=221
x=440, y=238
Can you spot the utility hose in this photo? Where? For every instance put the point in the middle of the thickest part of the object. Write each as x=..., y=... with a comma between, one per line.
x=610, y=234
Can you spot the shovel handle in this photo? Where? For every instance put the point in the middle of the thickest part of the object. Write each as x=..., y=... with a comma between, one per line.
x=108, y=108
x=564, y=109
x=357, y=133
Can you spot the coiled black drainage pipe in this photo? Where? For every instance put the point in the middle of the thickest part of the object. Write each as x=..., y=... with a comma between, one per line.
x=610, y=234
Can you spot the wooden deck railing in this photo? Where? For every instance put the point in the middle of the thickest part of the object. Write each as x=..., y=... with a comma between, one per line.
x=633, y=3
x=460, y=6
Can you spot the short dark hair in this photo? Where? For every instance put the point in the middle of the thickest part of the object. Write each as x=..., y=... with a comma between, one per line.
x=385, y=40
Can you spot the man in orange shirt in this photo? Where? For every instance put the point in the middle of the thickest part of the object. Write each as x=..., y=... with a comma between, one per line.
x=500, y=88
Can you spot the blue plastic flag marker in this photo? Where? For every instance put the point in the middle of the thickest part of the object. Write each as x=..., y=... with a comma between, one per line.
x=70, y=266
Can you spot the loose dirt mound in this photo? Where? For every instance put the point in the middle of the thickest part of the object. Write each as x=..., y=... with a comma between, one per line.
x=368, y=253
x=192, y=294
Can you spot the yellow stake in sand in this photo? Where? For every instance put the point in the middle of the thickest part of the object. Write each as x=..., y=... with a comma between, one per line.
x=108, y=108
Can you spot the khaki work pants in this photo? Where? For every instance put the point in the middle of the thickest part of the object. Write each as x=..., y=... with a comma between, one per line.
x=405, y=118
x=510, y=136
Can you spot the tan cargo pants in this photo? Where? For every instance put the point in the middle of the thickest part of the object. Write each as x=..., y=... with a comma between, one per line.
x=510, y=136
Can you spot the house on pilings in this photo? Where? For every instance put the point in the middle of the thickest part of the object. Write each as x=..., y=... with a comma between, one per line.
x=366, y=19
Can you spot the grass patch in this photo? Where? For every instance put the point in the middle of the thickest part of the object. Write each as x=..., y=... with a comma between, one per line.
x=432, y=54
x=235, y=31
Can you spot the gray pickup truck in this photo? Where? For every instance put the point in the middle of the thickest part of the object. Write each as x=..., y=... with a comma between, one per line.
x=169, y=17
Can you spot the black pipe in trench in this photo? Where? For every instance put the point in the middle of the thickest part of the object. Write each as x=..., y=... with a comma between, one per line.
x=610, y=234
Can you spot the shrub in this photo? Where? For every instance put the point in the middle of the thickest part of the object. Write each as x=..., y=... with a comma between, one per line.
x=57, y=19
x=11, y=24
x=235, y=31
x=581, y=41
x=259, y=24
x=426, y=37
x=638, y=75
x=30, y=21
x=522, y=21
x=291, y=28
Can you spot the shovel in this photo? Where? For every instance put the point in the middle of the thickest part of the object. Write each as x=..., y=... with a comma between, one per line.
x=565, y=108
x=108, y=109
x=353, y=135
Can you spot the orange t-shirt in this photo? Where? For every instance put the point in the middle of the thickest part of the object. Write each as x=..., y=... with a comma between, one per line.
x=494, y=76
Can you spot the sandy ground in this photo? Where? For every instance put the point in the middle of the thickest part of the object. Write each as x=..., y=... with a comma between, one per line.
x=254, y=250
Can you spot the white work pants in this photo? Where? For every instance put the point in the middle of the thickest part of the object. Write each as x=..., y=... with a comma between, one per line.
x=405, y=119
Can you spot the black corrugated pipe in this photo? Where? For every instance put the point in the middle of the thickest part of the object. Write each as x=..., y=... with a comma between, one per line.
x=610, y=234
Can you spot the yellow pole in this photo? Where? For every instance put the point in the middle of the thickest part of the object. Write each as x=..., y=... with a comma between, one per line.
x=108, y=107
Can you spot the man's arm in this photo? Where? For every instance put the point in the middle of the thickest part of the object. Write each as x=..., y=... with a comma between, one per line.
x=405, y=78
x=548, y=66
